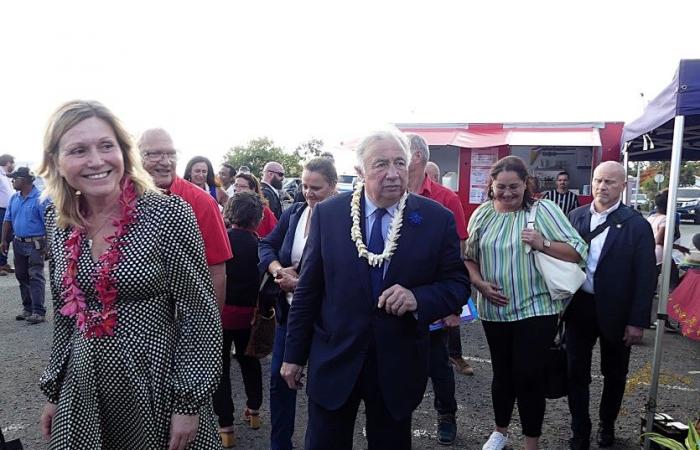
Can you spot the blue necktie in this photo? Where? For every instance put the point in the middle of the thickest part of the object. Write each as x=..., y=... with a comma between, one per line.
x=376, y=245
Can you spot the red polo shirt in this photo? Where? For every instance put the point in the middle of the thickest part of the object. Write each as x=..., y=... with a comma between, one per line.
x=209, y=219
x=449, y=200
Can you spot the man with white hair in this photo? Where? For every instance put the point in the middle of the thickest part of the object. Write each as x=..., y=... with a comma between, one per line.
x=441, y=374
x=612, y=306
x=380, y=265
x=432, y=170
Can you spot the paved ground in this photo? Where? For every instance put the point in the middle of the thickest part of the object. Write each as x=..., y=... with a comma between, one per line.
x=24, y=350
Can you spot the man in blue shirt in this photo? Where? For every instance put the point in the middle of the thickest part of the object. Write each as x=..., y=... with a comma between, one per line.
x=25, y=218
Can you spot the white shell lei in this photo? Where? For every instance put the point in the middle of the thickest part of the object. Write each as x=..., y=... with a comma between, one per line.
x=356, y=232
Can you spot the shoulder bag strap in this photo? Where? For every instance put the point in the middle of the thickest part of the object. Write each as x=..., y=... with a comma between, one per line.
x=613, y=218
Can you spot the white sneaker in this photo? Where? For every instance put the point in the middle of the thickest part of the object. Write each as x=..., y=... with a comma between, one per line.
x=497, y=441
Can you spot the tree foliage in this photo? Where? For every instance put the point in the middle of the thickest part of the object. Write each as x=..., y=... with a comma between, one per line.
x=309, y=149
x=689, y=170
x=259, y=151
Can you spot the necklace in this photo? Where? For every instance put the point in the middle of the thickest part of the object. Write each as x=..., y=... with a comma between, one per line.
x=94, y=323
x=374, y=259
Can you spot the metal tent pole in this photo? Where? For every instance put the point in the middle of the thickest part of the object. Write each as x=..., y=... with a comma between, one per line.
x=662, y=316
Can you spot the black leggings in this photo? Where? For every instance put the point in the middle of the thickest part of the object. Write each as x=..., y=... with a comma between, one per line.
x=252, y=377
x=518, y=355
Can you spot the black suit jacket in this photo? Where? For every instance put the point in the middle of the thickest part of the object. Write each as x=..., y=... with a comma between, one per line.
x=334, y=318
x=273, y=199
x=625, y=278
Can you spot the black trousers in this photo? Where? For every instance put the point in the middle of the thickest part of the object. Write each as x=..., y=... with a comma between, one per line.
x=582, y=331
x=250, y=370
x=518, y=355
x=441, y=373
x=334, y=429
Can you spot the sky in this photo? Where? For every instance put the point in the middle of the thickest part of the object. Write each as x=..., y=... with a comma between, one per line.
x=216, y=74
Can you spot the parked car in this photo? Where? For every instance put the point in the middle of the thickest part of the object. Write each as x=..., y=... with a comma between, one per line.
x=688, y=203
x=641, y=200
x=346, y=183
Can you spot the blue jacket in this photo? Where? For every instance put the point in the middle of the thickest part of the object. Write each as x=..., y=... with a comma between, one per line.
x=334, y=319
x=625, y=278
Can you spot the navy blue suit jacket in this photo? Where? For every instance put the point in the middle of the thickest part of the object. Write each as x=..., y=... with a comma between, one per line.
x=278, y=244
x=625, y=278
x=334, y=319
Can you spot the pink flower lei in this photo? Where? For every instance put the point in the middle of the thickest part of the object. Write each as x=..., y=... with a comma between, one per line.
x=98, y=323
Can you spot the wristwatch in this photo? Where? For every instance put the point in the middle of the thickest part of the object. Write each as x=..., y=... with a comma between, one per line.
x=546, y=243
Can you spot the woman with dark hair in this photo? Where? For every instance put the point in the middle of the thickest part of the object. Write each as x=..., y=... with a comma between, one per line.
x=243, y=211
x=200, y=172
x=518, y=315
x=247, y=182
x=280, y=253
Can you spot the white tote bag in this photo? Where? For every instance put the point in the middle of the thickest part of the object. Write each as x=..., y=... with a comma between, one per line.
x=562, y=278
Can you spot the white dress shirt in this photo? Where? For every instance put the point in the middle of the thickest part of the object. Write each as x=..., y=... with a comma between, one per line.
x=596, y=245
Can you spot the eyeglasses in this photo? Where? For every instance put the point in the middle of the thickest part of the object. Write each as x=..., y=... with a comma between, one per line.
x=157, y=155
x=280, y=174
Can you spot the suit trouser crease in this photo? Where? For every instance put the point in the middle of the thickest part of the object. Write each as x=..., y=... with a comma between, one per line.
x=582, y=332
x=29, y=271
x=251, y=373
x=518, y=356
x=334, y=429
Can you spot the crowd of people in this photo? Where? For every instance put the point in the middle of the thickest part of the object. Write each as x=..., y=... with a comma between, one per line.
x=156, y=280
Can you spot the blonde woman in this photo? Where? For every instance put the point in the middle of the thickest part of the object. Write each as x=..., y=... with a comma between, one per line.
x=137, y=335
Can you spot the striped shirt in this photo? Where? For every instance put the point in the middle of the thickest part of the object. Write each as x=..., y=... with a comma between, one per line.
x=495, y=244
x=567, y=202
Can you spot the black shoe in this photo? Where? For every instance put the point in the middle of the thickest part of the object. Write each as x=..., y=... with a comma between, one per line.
x=447, y=429
x=23, y=315
x=605, y=437
x=580, y=443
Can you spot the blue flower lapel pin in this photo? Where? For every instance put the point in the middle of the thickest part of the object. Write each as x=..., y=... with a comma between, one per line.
x=415, y=218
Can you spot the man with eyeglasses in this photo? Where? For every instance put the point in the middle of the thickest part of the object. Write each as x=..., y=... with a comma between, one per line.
x=272, y=176
x=160, y=160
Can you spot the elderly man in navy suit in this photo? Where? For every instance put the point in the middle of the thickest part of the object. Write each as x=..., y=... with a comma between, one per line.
x=613, y=305
x=379, y=266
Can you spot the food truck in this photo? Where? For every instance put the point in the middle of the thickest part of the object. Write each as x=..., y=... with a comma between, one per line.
x=465, y=152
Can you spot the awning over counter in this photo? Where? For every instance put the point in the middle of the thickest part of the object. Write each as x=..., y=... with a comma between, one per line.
x=494, y=137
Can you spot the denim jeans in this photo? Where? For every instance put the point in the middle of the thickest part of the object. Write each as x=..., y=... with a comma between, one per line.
x=283, y=401
x=29, y=270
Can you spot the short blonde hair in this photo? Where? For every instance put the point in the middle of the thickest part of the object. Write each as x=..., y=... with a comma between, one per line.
x=70, y=210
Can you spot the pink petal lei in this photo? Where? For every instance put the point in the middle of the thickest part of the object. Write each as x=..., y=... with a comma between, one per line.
x=98, y=323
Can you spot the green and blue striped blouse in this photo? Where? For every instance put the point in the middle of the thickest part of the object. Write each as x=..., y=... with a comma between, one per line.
x=495, y=244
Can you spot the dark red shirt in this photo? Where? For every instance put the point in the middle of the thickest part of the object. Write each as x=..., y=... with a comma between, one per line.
x=449, y=200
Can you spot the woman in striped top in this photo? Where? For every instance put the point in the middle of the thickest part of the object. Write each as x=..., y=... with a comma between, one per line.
x=518, y=314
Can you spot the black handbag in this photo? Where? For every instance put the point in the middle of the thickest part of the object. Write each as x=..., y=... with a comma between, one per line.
x=14, y=444
x=556, y=366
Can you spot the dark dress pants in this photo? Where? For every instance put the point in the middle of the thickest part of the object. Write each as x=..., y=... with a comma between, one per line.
x=3, y=256
x=441, y=373
x=334, y=429
x=250, y=370
x=582, y=331
x=283, y=401
x=454, y=342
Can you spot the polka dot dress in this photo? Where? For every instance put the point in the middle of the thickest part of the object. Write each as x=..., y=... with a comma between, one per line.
x=120, y=392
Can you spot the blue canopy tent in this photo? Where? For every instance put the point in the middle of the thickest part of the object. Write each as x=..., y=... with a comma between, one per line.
x=669, y=129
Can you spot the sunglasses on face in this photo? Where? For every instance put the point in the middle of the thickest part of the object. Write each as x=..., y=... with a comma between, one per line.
x=279, y=174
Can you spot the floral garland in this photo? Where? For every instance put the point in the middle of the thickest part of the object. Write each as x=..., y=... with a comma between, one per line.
x=373, y=259
x=98, y=323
